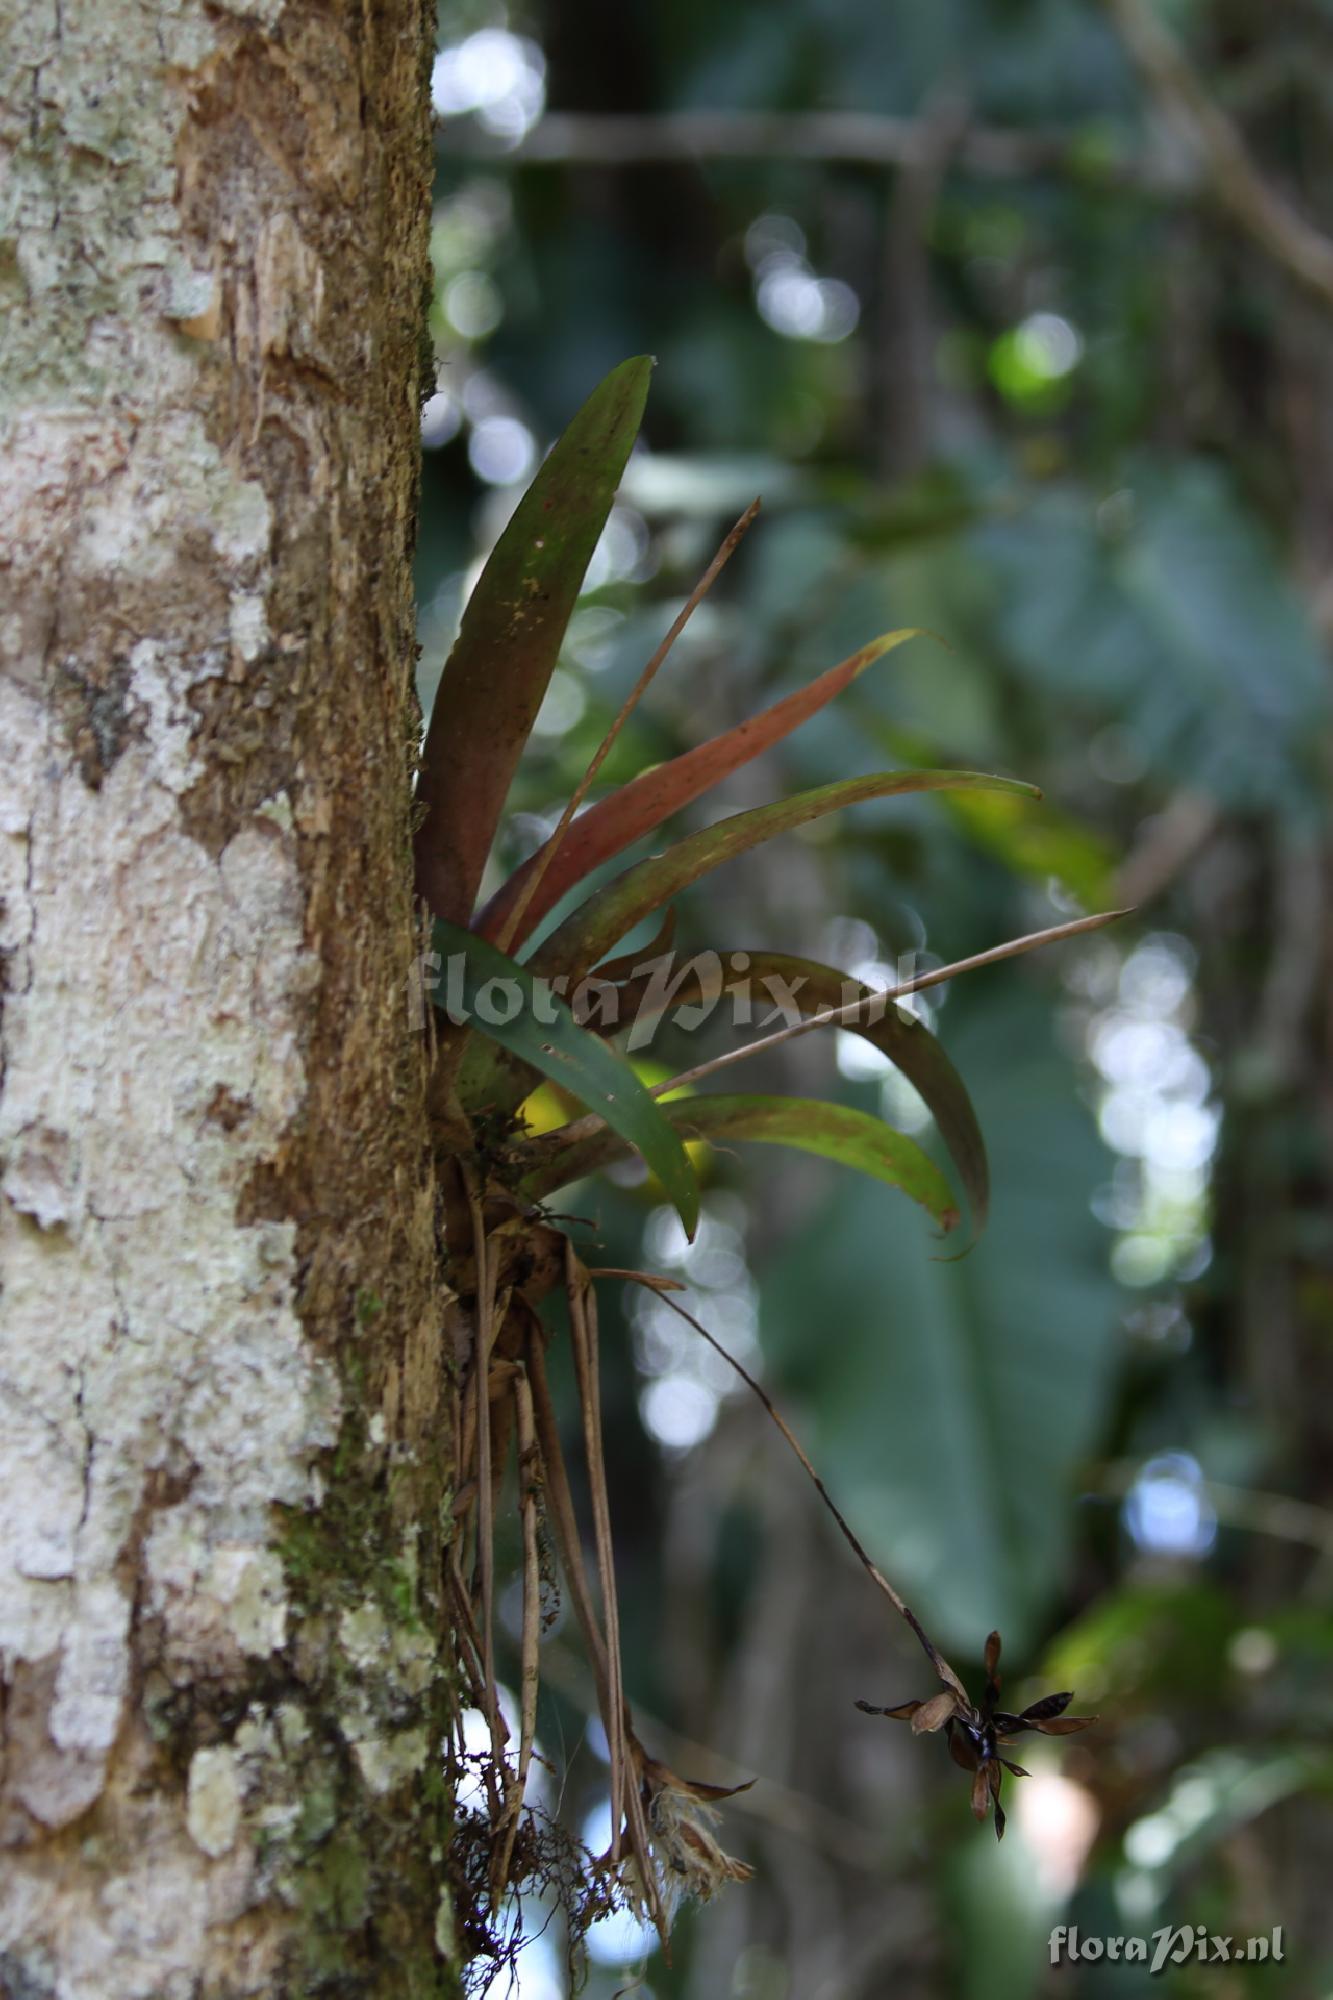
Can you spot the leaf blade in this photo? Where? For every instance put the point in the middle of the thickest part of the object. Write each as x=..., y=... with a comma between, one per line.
x=510, y=636
x=544, y=1033
x=639, y=807
x=831, y=1131
x=812, y=987
x=600, y=922
x=962, y=1400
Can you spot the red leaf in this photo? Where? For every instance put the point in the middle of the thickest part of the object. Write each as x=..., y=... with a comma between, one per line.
x=625, y=816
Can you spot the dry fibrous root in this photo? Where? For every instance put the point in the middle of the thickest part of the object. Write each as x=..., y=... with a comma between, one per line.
x=662, y=1848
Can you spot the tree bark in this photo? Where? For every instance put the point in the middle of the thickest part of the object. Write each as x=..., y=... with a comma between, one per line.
x=223, y=1404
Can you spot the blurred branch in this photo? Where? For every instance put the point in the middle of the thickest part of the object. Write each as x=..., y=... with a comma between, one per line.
x=1235, y=181
x=1274, y=1514
x=1295, y=973
x=1167, y=843
x=904, y=352
x=597, y=139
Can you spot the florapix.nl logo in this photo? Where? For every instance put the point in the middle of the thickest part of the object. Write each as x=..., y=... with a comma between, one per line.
x=1173, y=1944
x=691, y=989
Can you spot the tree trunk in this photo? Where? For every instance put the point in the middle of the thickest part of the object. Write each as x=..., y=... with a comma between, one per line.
x=222, y=1388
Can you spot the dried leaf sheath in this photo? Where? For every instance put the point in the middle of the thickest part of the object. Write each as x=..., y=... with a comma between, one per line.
x=529, y=1476
x=583, y=1327
x=484, y=1338
x=565, y=1528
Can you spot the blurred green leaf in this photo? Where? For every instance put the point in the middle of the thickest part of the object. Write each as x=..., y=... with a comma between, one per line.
x=1164, y=607
x=997, y=1915
x=959, y=1399
x=1148, y=1642
x=1212, y=1796
x=1047, y=845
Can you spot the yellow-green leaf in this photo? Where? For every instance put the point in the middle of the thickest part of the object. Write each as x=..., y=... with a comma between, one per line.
x=812, y=988
x=833, y=1131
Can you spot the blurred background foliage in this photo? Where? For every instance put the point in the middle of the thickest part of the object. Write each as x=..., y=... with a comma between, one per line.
x=952, y=289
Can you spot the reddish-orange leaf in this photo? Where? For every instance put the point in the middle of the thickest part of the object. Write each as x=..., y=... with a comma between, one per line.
x=626, y=815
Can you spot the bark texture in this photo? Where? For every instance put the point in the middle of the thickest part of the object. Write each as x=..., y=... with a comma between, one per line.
x=222, y=1407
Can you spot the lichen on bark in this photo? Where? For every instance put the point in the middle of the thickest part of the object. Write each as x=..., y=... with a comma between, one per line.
x=221, y=1653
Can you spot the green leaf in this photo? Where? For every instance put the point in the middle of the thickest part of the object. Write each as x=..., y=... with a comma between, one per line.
x=605, y=917
x=997, y=1910
x=1155, y=1641
x=812, y=988
x=624, y=816
x=497, y=674
x=833, y=1131
x=543, y=1032
x=1180, y=624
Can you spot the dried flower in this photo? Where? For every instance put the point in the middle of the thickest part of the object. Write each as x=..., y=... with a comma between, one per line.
x=975, y=1733
x=680, y=1814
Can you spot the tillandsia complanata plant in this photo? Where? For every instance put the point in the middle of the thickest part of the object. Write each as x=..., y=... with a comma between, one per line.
x=510, y=1010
